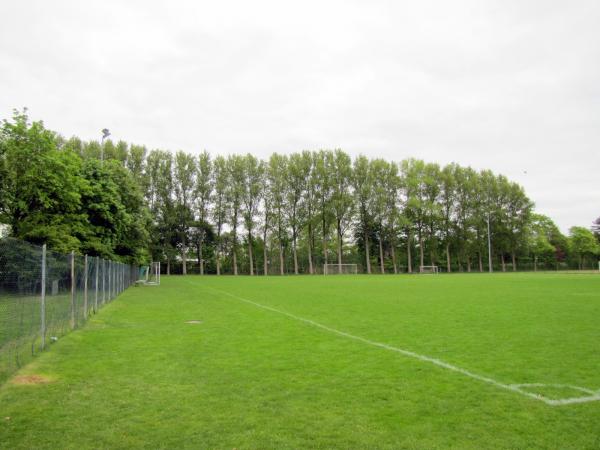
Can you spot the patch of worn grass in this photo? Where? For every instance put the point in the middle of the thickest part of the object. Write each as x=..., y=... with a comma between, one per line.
x=137, y=375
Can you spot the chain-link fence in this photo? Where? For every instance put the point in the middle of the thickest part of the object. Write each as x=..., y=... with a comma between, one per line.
x=44, y=295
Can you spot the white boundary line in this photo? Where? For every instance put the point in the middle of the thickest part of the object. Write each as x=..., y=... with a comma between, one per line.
x=518, y=388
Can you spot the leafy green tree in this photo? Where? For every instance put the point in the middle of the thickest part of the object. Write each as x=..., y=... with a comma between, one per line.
x=41, y=186
x=392, y=219
x=297, y=175
x=448, y=206
x=267, y=197
x=235, y=192
x=309, y=205
x=539, y=236
x=184, y=183
x=276, y=173
x=323, y=184
x=362, y=181
x=203, y=193
x=252, y=188
x=583, y=243
x=379, y=169
x=341, y=197
x=221, y=205
x=432, y=208
x=415, y=209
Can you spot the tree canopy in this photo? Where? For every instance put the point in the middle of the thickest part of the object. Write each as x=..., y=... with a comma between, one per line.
x=287, y=214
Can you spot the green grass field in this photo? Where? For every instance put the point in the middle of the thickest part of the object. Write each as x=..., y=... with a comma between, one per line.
x=448, y=361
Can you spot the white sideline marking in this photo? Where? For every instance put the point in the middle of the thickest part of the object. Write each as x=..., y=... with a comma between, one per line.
x=593, y=395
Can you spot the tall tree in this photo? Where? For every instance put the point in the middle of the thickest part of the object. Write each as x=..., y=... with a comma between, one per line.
x=235, y=166
x=379, y=169
x=203, y=191
x=221, y=205
x=267, y=198
x=341, y=198
x=362, y=181
x=448, y=203
x=41, y=186
x=185, y=178
x=413, y=172
x=296, y=174
x=253, y=173
x=583, y=243
x=276, y=173
x=393, y=217
x=310, y=206
x=323, y=169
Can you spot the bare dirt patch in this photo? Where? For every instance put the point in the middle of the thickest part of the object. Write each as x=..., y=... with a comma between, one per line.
x=30, y=379
x=194, y=322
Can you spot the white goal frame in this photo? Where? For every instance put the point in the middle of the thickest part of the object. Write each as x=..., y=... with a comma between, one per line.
x=150, y=275
x=153, y=274
x=429, y=269
x=333, y=269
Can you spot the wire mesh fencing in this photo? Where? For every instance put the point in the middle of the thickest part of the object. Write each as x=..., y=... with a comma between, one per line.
x=44, y=295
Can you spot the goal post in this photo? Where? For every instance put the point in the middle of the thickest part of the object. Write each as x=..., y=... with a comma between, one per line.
x=150, y=274
x=429, y=269
x=340, y=269
x=154, y=274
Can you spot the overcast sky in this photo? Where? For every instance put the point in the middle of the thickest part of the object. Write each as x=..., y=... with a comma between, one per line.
x=512, y=86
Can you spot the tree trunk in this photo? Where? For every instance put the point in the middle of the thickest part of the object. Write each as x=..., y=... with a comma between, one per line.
x=367, y=252
x=502, y=262
x=408, y=252
x=469, y=264
x=324, y=242
x=382, y=268
x=265, y=254
x=310, y=261
x=480, y=261
x=514, y=261
x=281, y=271
x=394, y=257
x=294, y=249
x=339, y=231
x=184, y=256
x=448, y=265
x=421, y=252
x=168, y=266
x=535, y=259
x=201, y=257
x=250, y=252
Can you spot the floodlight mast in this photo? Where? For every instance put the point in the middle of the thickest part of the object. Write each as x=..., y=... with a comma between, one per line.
x=105, y=134
x=489, y=245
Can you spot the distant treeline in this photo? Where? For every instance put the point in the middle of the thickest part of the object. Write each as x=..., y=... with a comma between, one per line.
x=288, y=214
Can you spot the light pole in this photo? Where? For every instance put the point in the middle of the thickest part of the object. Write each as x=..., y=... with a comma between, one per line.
x=489, y=245
x=105, y=134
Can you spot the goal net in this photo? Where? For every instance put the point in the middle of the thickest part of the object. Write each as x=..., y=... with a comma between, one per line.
x=150, y=274
x=337, y=269
x=429, y=269
x=154, y=274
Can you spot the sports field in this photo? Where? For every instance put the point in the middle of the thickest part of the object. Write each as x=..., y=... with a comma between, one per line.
x=446, y=361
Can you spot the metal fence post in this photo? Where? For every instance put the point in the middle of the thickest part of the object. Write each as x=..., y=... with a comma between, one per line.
x=85, y=287
x=43, y=297
x=96, y=287
x=72, y=289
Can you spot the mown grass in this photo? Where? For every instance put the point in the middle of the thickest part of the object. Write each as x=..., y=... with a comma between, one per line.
x=137, y=375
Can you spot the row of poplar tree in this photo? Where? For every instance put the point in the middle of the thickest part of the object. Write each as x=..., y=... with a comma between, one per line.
x=288, y=214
